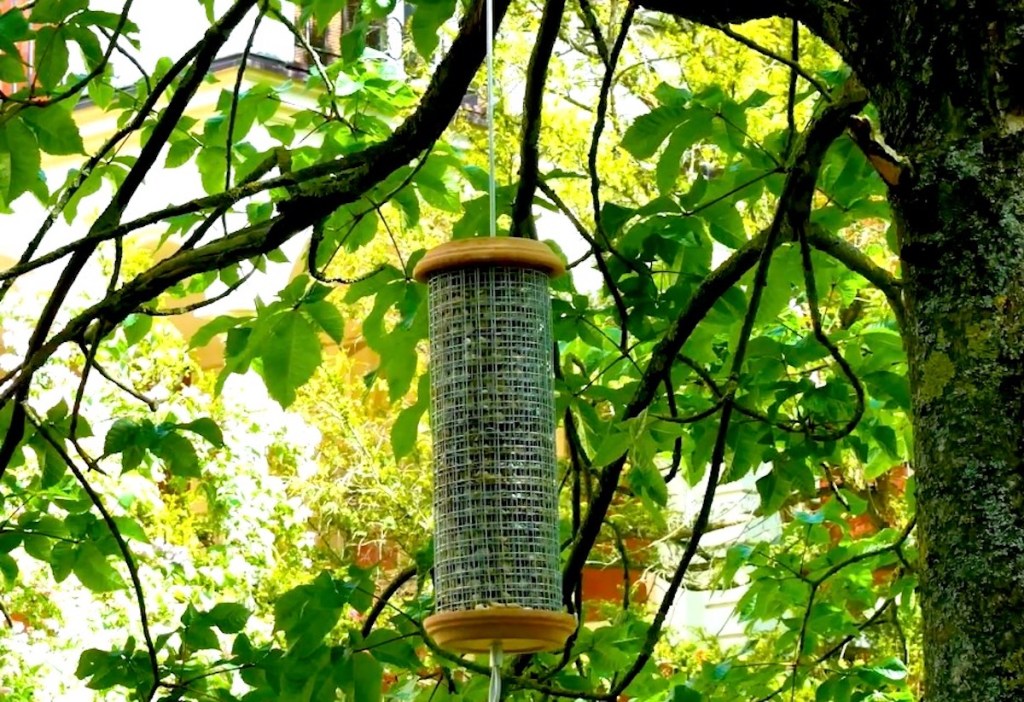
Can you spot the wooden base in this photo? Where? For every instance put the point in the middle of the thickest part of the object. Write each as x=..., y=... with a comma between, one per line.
x=518, y=630
x=496, y=251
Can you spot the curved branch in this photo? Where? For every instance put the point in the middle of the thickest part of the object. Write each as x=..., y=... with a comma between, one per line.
x=23, y=265
x=812, y=302
x=385, y=597
x=124, y=387
x=797, y=193
x=859, y=262
x=590, y=20
x=128, y=57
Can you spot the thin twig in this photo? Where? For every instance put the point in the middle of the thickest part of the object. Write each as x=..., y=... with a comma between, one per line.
x=122, y=546
x=128, y=57
x=91, y=359
x=205, y=302
x=229, y=141
x=750, y=43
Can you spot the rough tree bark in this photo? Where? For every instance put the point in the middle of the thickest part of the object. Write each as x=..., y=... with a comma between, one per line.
x=950, y=92
x=962, y=246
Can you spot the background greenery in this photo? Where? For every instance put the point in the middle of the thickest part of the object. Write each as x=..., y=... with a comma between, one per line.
x=172, y=533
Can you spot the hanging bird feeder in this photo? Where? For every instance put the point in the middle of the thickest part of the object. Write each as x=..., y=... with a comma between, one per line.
x=496, y=550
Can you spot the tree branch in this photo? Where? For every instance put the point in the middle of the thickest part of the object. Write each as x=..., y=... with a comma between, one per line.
x=348, y=179
x=378, y=606
x=210, y=44
x=832, y=20
x=533, y=104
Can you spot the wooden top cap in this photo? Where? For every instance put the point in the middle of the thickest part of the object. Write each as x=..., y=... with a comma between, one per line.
x=492, y=251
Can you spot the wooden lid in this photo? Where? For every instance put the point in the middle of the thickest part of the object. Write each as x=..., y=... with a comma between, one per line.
x=490, y=251
x=519, y=630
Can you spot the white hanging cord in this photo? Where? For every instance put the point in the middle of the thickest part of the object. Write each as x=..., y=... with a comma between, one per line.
x=492, y=189
x=495, y=689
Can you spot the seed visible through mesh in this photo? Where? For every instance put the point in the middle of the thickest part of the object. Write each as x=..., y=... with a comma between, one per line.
x=492, y=414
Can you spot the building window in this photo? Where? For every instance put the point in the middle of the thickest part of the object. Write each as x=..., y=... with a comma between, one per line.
x=327, y=40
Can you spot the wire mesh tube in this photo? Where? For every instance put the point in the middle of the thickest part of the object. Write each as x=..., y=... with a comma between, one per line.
x=492, y=413
x=492, y=416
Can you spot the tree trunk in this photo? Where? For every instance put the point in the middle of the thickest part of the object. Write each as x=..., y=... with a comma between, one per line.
x=961, y=227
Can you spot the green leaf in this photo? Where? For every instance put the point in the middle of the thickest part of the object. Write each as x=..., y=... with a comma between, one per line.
x=19, y=161
x=229, y=617
x=136, y=327
x=62, y=560
x=391, y=647
x=101, y=92
x=55, y=129
x=179, y=455
x=180, y=152
x=362, y=586
x=94, y=570
x=406, y=429
x=683, y=693
x=87, y=42
x=13, y=28
x=54, y=11
x=645, y=480
x=647, y=133
x=206, y=428
x=9, y=541
x=198, y=638
x=671, y=95
x=613, y=446
x=132, y=457
x=204, y=335
x=725, y=224
x=327, y=316
x=131, y=529
x=890, y=670
x=695, y=127
x=9, y=570
x=292, y=357
x=367, y=675
x=122, y=434
x=52, y=53
x=6, y=174
x=893, y=387
x=54, y=467
x=212, y=164
x=427, y=19
x=307, y=613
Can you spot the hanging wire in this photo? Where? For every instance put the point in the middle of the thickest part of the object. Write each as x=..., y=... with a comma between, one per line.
x=492, y=188
x=494, y=694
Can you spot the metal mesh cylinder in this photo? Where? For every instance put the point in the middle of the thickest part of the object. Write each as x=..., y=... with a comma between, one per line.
x=492, y=416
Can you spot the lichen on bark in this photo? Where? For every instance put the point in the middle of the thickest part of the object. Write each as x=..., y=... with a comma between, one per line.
x=961, y=225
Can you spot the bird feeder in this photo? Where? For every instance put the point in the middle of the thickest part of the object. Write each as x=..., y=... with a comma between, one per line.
x=496, y=545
